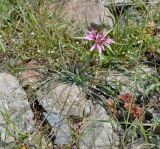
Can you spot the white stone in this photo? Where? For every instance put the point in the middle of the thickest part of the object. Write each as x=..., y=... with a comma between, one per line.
x=116, y=2
x=64, y=98
x=15, y=112
x=98, y=133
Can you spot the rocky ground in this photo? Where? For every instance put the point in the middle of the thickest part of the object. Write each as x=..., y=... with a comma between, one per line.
x=113, y=108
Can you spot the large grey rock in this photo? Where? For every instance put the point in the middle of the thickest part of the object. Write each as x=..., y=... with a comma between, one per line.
x=65, y=99
x=60, y=127
x=97, y=134
x=15, y=112
x=59, y=132
x=88, y=12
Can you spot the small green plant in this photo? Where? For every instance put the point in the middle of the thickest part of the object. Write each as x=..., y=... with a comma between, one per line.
x=5, y=9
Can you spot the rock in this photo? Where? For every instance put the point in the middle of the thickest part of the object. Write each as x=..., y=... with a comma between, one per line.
x=124, y=81
x=154, y=5
x=116, y=3
x=80, y=12
x=119, y=7
x=87, y=108
x=97, y=134
x=31, y=75
x=119, y=79
x=60, y=127
x=14, y=108
x=65, y=99
x=154, y=2
x=139, y=144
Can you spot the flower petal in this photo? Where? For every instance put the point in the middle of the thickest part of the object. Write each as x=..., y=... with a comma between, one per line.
x=93, y=47
x=88, y=37
x=91, y=35
x=103, y=48
x=103, y=35
x=109, y=41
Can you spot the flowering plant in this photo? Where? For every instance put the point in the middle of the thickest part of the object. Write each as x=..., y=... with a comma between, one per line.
x=100, y=41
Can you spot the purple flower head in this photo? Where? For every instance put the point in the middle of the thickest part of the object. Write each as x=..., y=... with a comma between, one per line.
x=100, y=41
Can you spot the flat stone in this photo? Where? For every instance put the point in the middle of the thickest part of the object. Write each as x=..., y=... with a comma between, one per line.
x=60, y=127
x=116, y=2
x=30, y=77
x=139, y=144
x=14, y=106
x=32, y=74
x=154, y=2
x=80, y=12
x=87, y=108
x=97, y=134
x=63, y=98
x=125, y=81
